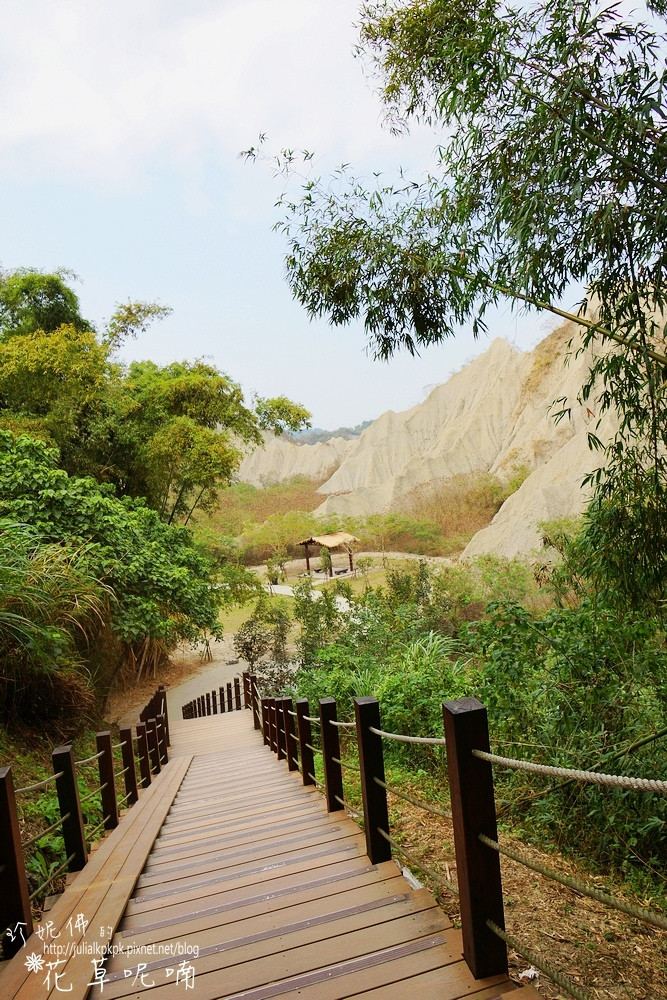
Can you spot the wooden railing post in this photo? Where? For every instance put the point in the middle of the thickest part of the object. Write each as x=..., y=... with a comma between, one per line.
x=281, y=739
x=333, y=774
x=290, y=738
x=230, y=707
x=266, y=724
x=214, y=700
x=246, y=689
x=254, y=701
x=15, y=916
x=70, y=807
x=107, y=780
x=208, y=703
x=153, y=745
x=305, y=741
x=237, y=694
x=163, y=710
x=222, y=699
x=273, y=726
x=130, y=775
x=371, y=765
x=474, y=812
x=162, y=739
x=144, y=759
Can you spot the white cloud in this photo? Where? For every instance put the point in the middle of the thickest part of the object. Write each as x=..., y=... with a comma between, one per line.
x=101, y=89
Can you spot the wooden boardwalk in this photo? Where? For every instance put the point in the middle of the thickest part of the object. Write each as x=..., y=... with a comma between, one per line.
x=251, y=889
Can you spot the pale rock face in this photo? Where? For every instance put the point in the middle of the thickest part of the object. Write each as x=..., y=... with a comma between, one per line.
x=495, y=415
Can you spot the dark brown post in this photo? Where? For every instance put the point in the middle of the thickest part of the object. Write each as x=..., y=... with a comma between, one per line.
x=254, y=701
x=163, y=710
x=266, y=725
x=70, y=807
x=153, y=745
x=281, y=745
x=474, y=812
x=144, y=760
x=130, y=775
x=15, y=916
x=290, y=738
x=273, y=727
x=333, y=774
x=162, y=739
x=230, y=706
x=371, y=765
x=107, y=780
x=214, y=699
x=208, y=703
x=222, y=698
x=305, y=742
x=246, y=689
x=237, y=693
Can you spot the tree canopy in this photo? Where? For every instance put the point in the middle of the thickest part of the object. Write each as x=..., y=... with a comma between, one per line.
x=551, y=169
x=173, y=434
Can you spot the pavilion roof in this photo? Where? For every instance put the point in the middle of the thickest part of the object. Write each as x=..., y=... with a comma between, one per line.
x=332, y=541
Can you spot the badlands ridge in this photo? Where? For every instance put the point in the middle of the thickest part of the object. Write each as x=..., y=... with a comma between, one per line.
x=495, y=415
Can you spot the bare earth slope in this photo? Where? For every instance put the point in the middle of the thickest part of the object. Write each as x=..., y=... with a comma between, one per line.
x=493, y=416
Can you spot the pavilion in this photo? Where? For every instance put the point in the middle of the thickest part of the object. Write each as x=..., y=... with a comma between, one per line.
x=338, y=540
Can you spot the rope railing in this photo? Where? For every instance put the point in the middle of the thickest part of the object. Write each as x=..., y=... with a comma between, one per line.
x=348, y=807
x=418, y=863
x=643, y=913
x=342, y=725
x=346, y=764
x=118, y=746
x=311, y=718
x=314, y=749
x=43, y=833
x=539, y=963
x=434, y=741
x=426, y=806
x=89, y=760
x=315, y=781
x=99, y=826
x=38, y=784
x=89, y=795
x=52, y=877
x=590, y=777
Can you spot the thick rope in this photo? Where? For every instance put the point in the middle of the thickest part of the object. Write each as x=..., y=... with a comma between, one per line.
x=415, y=802
x=54, y=875
x=38, y=836
x=434, y=741
x=318, y=783
x=557, y=977
x=344, y=763
x=639, y=912
x=343, y=725
x=89, y=760
x=420, y=865
x=39, y=784
x=311, y=718
x=348, y=807
x=615, y=780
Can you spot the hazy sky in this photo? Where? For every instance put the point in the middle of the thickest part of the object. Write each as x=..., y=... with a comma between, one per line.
x=121, y=128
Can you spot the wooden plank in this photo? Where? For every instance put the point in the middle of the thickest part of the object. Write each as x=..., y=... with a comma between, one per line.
x=262, y=914
x=176, y=869
x=250, y=875
x=242, y=945
x=230, y=893
x=437, y=983
x=100, y=892
x=246, y=972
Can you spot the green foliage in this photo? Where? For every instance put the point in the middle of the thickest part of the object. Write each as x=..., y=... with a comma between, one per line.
x=551, y=171
x=51, y=606
x=280, y=414
x=31, y=301
x=161, y=586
